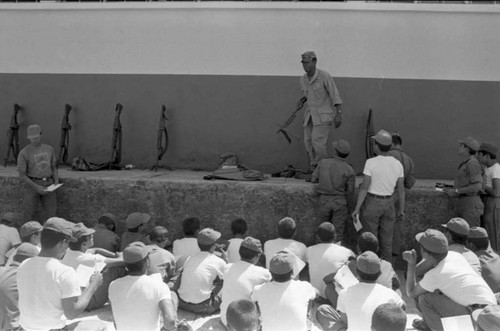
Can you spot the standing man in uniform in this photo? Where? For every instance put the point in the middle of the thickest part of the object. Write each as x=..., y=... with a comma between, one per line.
x=380, y=176
x=468, y=183
x=36, y=165
x=488, y=157
x=336, y=180
x=322, y=96
x=409, y=180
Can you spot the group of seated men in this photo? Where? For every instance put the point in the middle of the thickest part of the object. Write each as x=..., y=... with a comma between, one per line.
x=55, y=271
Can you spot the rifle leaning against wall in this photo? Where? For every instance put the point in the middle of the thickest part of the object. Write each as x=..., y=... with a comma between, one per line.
x=64, y=140
x=116, y=143
x=162, y=141
x=370, y=132
x=13, y=134
x=290, y=120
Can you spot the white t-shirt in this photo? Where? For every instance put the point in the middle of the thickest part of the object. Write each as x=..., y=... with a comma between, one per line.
x=42, y=283
x=233, y=250
x=135, y=302
x=74, y=258
x=458, y=281
x=273, y=246
x=324, y=259
x=239, y=280
x=200, y=271
x=283, y=306
x=359, y=302
x=184, y=248
x=384, y=172
x=492, y=172
x=469, y=255
x=9, y=237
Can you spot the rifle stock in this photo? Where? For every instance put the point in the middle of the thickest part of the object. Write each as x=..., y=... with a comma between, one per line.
x=162, y=140
x=13, y=134
x=64, y=139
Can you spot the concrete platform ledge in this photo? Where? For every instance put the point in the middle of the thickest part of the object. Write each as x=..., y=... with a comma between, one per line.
x=170, y=196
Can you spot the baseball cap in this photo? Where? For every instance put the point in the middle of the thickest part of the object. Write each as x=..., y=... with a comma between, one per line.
x=135, y=252
x=34, y=131
x=80, y=230
x=282, y=263
x=457, y=225
x=309, y=55
x=470, y=142
x=488, y=318
x=60, y=225
x=477, y=232
x=383, y=138
x=29, y=228
x=208, y=236
x=135, y=219
x=487, y=147
x=342, y=146
x=27, y=249
x=433, y=241
x=252, y=244
x=368, y=262
x=11, y=218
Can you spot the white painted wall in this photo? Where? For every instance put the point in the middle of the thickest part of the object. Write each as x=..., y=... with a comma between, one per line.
x=433, y=41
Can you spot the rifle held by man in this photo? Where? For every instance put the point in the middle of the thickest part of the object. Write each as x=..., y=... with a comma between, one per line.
x=162, y=140
x=64, y=140
x=116, y=143
x=290, y=120
x=13, y=134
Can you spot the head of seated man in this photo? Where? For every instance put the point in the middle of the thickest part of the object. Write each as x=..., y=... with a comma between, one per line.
x=242, y=315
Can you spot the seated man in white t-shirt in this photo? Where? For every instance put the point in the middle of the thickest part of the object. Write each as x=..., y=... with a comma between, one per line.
x=49, y=292
x=187, y=246
x=242, y=276
x=286, y=232
x=284, y=303
x=137, y=300
x=201, y=278
x=357, y=303
x=238, y=229
x=450, y=288
x=326, y=257
x=81, y=252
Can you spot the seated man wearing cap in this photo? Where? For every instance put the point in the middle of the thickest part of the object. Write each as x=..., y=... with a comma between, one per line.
x=389, y=317
x=388, y=277
x=357, y=303
x=105, y=236
x=49, y=291
x=322, y=96
x=9, y=237
x=30, y=233
x=139, y=225
x=478, y=242
x=81, y=252
x=37, y=167
x=381, y=175
x=468, y=183
x=325, y=257
x=487, y=156
x=137, y=300
x=286, y=232
x=336, y=188
x=161, y=261
x=200, y=279
x=9, y=311
x=242, y=276
x=242, y=315
x=284, y=303
x=450, y=288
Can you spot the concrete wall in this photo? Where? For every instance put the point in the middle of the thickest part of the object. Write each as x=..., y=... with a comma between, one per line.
x=228, y=74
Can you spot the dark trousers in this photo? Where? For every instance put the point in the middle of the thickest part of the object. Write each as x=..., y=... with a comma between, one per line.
x=32, y=199
x=434, y=306
x=333, y=209
x=470, y=208
x=378, y=217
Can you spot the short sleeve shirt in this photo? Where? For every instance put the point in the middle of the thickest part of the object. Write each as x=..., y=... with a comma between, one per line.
x=36, y=161
x=335, y=177
x=384, y=172
x=469, y=172
x=9, y=237
x=491, y=173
